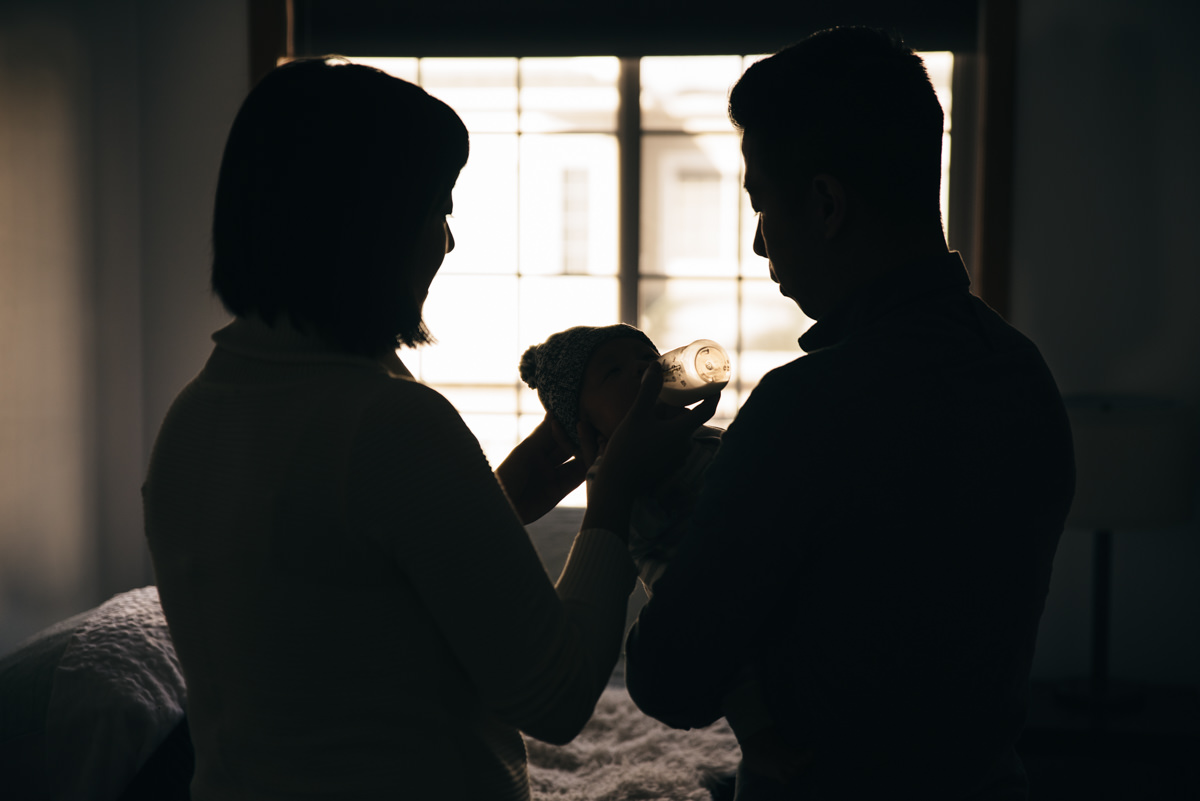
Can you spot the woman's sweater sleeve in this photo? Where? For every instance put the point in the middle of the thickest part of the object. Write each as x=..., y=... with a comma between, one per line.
x=539, y=654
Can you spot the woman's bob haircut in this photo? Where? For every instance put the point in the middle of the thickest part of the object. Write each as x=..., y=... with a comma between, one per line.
x=330, y=171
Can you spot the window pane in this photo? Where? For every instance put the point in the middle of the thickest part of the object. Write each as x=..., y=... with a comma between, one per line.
x=405, y=68
x=748, y=60
x=752, y=265
x=770, y=321
x=477, y=398
x=550, y=304
x=687, y=93
x=474, y=318
x=536, y=224
x=691, y=189
x=569, y=94
x=482, y=90
x=497, y=434
x=527, y=399
x=771, y=324
x=677, y=311
x=485, y=210
x=568, y=204
x=940, y=66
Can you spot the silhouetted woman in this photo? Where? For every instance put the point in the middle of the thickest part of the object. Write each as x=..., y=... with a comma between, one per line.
x=357, y=608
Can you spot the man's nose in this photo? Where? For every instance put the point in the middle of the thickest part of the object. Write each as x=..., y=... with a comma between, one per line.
x=760, y=244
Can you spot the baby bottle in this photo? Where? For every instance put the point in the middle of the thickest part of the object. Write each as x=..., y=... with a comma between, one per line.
x=693, y=372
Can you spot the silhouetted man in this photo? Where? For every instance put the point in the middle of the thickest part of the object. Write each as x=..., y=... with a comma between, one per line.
x=879, y=523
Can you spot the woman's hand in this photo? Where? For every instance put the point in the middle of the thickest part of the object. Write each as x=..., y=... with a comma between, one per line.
x=654, y=439
x=645, y=448
x=540, y=471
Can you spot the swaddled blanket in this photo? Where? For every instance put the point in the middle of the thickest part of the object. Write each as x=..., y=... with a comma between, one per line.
x=115, y=692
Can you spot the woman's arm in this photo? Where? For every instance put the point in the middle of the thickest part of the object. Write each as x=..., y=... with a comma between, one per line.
x=540, y=471
x=538, y=654
x=641, y=451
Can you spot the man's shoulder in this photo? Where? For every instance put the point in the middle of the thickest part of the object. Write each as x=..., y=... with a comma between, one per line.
x=806, y=373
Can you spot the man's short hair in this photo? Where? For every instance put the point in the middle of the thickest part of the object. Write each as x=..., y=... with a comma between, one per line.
x=329, y=172
x=854, y=102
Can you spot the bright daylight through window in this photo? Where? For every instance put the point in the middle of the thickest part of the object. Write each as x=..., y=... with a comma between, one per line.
x=536, y=225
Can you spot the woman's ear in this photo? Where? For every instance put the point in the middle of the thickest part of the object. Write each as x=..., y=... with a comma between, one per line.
x=830, y=195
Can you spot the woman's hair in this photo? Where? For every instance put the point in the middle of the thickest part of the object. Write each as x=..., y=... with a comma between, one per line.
x=855, y=102
x=330, y=171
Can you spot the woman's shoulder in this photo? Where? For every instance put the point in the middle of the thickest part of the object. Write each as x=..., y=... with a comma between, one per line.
x=390, y=398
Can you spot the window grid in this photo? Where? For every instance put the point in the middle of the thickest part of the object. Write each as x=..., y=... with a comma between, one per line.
x=502, y=427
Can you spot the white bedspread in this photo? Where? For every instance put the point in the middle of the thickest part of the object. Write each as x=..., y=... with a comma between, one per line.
x=118, y=692
x=622, y=755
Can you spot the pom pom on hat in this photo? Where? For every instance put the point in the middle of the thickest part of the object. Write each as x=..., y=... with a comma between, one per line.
x=529, y=365
x=555, y=368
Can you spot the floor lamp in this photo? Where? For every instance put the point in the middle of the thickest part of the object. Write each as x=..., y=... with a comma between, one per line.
x=1137, y=463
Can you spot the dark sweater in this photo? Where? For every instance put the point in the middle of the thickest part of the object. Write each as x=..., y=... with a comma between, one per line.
x=877, y=535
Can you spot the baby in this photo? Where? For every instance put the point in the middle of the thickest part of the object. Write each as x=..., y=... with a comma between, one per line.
x=591, y=375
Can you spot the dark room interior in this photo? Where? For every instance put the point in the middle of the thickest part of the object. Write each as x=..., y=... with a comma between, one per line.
x=1073, y=199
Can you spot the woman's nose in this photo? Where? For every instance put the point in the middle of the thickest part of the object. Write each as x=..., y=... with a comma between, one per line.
x=449, y=238
x=760, y=244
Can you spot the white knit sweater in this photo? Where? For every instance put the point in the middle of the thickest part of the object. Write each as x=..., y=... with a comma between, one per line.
x=357, y=610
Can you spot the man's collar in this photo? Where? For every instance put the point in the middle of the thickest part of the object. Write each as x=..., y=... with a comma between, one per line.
x=894, y=288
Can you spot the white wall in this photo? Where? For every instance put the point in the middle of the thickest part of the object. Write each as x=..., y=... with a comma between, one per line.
x=112, y=119
x=46, y=431
x=1107, y=280
x=194, y=76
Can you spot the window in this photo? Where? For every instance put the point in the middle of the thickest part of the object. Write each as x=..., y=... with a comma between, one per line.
x=537, y=225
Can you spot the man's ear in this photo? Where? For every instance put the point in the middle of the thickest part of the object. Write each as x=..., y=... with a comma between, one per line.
x=830, y=194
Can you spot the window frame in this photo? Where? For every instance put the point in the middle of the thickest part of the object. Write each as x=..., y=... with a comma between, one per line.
x=982, y=36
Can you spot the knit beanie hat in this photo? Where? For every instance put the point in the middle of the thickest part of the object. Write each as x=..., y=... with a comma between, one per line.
x=555, y=368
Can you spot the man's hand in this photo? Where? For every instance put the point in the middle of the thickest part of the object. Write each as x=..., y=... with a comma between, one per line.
x=540, y=471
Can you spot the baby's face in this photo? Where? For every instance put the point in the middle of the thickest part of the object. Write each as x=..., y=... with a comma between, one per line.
x=611, y=381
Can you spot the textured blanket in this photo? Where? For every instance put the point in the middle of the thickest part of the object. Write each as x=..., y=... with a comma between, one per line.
x=118, y=692
x=623, y=755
